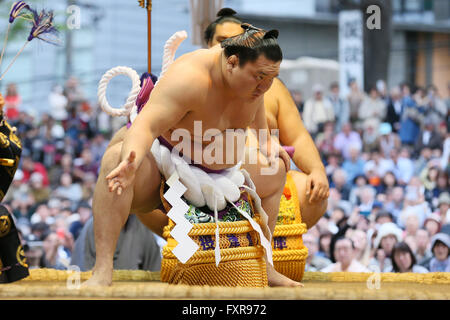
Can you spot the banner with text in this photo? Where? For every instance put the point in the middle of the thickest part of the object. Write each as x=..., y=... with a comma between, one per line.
x=351, y=55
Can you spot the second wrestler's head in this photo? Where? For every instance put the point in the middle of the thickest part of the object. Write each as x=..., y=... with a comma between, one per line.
x=225, y=26
x=252, y=61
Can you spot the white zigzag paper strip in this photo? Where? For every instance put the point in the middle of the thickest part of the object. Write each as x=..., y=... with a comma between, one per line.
x=186, y=246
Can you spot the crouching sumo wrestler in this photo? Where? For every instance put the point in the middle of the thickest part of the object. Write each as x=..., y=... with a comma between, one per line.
x=221, y=87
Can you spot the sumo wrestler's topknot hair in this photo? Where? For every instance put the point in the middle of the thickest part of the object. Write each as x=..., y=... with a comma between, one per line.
x=224, y=15
x=249, y=45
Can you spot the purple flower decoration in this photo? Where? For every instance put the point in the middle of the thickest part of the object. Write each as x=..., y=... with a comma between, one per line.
x=42, y=24
x=16, y=9
x=42, y=27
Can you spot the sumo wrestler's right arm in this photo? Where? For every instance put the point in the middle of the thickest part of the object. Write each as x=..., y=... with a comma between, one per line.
x=166, y=107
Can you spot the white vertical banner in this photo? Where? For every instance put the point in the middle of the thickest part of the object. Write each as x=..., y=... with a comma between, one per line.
x=203, y=12
x=351, y=54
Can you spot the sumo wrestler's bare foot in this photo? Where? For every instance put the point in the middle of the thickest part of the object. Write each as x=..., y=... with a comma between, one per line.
x=276, y=279
x=99, y=278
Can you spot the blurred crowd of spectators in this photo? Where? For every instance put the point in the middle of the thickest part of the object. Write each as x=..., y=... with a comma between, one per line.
x=51, y=194
x=386, y=156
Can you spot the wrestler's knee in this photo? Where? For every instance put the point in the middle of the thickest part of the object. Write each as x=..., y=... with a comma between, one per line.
x=312, y=212
x=320, y=207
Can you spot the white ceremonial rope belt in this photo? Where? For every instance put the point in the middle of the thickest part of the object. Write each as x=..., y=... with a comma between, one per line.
x=201, y=188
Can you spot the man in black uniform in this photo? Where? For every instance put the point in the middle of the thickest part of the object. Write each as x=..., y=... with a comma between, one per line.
x=13, y=264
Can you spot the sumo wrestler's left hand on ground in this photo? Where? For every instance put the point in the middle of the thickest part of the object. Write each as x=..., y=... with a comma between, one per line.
x=317, y=187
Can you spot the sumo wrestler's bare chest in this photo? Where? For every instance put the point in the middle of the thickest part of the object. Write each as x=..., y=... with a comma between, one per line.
x=221, y=117
x=236, y=118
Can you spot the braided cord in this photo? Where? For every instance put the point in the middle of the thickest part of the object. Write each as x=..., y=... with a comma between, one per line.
x=131, y=100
